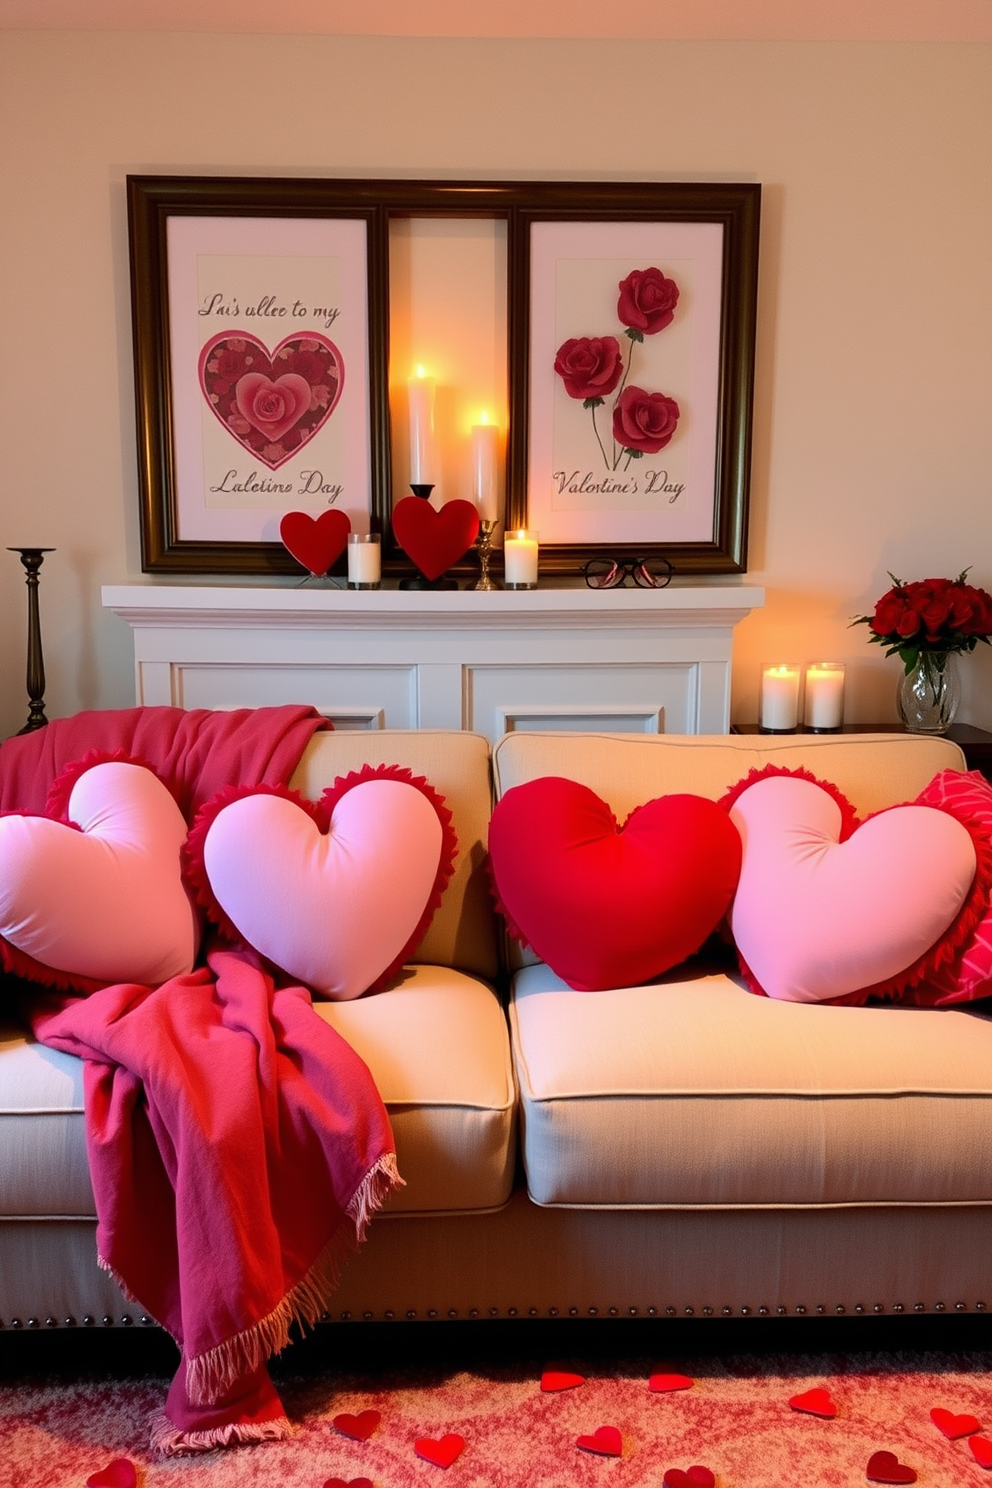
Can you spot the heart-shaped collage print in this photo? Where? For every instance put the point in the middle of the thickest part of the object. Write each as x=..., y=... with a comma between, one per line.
x=274, y=402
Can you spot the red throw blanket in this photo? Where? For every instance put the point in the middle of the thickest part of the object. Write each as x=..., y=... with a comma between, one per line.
x=237, y=1145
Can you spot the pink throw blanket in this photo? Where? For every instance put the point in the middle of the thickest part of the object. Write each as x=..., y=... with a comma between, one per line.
x=237, y=1145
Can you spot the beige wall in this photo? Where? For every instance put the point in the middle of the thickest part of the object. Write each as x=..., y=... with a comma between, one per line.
x=873, y=419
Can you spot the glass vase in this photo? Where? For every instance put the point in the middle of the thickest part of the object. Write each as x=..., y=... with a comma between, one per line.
x=929, y=693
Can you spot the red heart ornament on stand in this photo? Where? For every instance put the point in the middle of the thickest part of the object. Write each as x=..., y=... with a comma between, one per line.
x=120, y=1473
x=981, y=1450
x=553, y=1380
x=814, y=1403
x=359, y=1427
x=605, y=1440
x=434, y=540
x=316, y=542
x=663, y=1384
x=952, y=1426
x=885, y=1467
x=693, y=1477
x=272, y=403
x=442, y=1453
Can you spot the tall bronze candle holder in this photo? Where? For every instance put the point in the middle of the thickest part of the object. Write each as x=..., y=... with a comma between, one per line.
x=32, y=559
x=484, y=544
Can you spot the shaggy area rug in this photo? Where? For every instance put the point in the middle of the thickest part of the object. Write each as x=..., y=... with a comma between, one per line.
x=733, y=1420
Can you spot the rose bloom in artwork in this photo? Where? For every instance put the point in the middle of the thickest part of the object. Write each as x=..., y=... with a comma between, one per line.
x=592, y=369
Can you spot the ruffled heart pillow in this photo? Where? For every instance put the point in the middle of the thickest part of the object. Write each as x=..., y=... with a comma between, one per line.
x=91, y=892
x=337, y=893
x=830, y=909
x=607, y=905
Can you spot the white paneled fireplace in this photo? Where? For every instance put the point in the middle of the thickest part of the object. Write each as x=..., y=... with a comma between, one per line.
x=624, y=660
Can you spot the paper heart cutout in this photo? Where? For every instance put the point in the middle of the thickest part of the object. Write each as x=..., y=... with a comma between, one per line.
x=693, y=1477
x=605, y=1440
x=952, y=1426
x=316, y=542
x=104, y=903
x=816, y=919
x=120, y=1473
x=981, y=1450
x=351, y=1483
x=605, y=905
x=359, y=1427
x=664, y=1383
x=442, y=1453
x=272, y=403
x=434, y=540
x=885, y=1467
x=814, y=1403
x=553, y=1380
x=336, y=894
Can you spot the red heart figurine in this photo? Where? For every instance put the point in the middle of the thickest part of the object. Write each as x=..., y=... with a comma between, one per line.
x=442, y=1453
x=120, y=1473
x=814, y=1403
x=885, y=1467
x=434, y=540
x=553, y=1380
x=316, y=542
x=271, y=403
x=954, y=1426
x=359, y=1427
x=663, y=1383
x=605, y=1440
x=693, y=1477
x=981, y=1450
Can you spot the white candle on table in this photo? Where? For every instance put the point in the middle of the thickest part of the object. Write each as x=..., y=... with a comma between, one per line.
x=364, y=561
x=520, y=559
x=485, y=438
x=824, y=695
x=420, y=391
x=780, y=698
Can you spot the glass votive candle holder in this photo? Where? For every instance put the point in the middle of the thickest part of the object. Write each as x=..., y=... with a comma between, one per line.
x=364, y=560
x=779, y=698
x=823, y=707
x=520, y=551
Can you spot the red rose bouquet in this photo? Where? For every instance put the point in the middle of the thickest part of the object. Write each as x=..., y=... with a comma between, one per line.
x=929, y=615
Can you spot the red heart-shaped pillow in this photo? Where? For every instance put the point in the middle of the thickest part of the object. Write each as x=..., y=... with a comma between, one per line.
x=434, y=540
x=316, y=542
x=605, y=905
x=442, y=1453
x=606, y=1441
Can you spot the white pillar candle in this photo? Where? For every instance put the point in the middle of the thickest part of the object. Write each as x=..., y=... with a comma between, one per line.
x=485, y=437
x=364, y=561
x=423, y=457
x=520, y=560
x=824, y=695
x=780, y=698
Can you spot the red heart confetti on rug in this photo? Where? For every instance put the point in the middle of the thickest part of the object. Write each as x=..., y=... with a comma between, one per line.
x=434, y=540
x=316, y=542
x=554, y=1379
x=885, y=1467
x=359, y=1427
x=120, y=1473
x=814, y=1403
x=693, y=1477
x=442, y=1453
x=271, y=403
x=954, y=1426
x=663, y=1383
x=351, y=1483
x=981, y=1450
x=605, y=1440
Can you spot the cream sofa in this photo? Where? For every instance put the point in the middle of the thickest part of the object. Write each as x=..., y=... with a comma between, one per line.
x=671, y=1150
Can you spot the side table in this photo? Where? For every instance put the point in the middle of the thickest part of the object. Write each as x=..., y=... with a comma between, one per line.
x=975, y=743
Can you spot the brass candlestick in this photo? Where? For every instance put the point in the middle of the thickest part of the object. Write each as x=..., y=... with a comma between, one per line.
x=32, y=559
x=484, y=543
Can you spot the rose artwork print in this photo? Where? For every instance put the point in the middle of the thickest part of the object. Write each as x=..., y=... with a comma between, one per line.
x=272, y=403
x=594, y=368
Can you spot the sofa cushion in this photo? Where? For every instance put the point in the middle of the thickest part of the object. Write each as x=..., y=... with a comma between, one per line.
x=690, y=1092
x=436, y=1043
x=43, y=1168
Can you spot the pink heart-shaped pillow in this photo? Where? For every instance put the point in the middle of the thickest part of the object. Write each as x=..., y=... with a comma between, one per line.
x=336, y=894
x=816, y=918
x=99, y=898
x=434, y=540
x=605, y=905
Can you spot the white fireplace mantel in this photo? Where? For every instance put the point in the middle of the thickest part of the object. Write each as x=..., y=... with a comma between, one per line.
x=624, y=660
